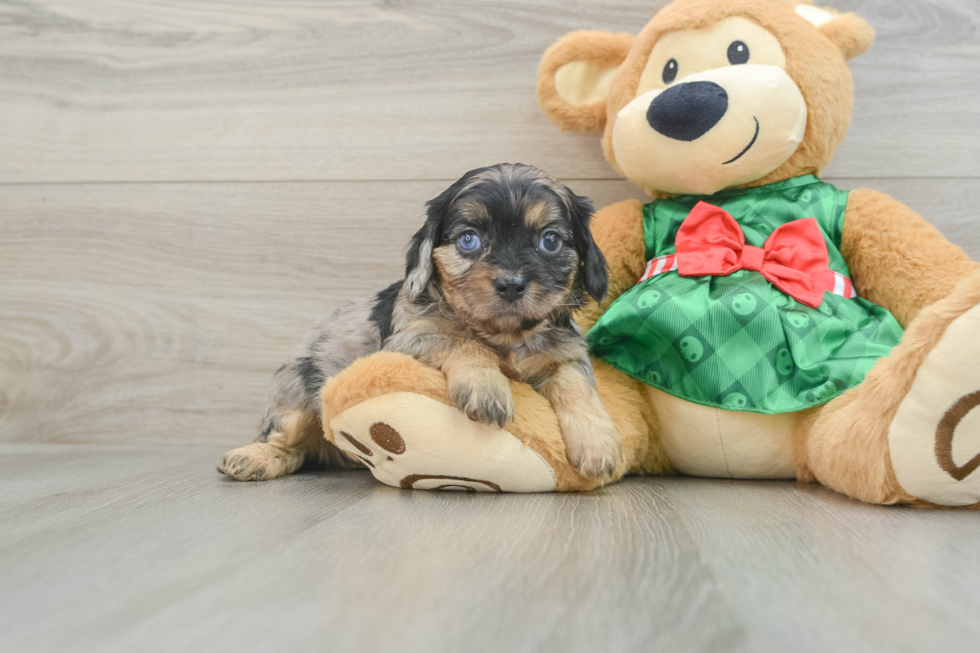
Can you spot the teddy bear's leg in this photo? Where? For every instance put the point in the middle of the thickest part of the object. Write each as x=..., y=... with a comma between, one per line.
x=908, y=434
x=392, y=413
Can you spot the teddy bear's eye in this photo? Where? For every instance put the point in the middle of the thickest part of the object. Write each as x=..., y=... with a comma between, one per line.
x=670, y=71
x=738, y=53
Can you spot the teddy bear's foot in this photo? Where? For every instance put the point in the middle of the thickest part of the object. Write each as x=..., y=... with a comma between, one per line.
x=908, y=433
x=411, y=441
x=934, y=439
x=394, y=414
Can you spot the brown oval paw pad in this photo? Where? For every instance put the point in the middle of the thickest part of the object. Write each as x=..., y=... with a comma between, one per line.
x=387, y=438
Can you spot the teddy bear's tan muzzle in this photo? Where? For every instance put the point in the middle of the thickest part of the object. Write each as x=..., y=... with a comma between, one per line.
x=711, y=130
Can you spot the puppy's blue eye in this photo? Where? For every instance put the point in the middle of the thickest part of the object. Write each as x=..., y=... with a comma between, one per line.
x=550, y=242
x=469, y=241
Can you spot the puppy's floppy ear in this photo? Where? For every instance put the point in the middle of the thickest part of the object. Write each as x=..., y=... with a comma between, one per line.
x=418, y=261
x=592, y=267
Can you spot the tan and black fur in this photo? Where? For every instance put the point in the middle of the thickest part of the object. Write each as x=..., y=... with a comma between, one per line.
x=504, y=257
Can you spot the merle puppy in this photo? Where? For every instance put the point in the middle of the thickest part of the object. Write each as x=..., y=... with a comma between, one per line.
x=504, y=256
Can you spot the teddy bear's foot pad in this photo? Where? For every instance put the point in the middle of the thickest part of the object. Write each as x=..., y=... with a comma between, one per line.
x=411, y=441
x=934, y=439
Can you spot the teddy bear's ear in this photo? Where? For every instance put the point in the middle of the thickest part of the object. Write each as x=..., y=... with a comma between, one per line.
x=574, y=78
x=848, y=32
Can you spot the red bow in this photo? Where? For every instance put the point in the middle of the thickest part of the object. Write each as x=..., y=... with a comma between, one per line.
x=794, y=258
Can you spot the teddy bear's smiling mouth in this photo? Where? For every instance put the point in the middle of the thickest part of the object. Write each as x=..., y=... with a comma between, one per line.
x=747, y=147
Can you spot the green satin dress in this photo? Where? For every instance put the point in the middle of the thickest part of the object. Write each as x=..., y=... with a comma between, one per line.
x=736, y=342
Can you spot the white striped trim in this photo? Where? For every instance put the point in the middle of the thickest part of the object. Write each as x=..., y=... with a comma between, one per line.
x=843, y=286
x=659, y=265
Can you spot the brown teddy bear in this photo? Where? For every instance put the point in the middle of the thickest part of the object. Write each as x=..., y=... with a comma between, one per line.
x=760, y=322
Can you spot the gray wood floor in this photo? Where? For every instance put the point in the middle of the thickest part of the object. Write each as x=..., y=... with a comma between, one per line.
x=108, y=548
x=186, y=184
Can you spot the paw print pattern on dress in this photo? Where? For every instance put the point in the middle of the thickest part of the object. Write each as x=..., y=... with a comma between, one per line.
x=691, y=349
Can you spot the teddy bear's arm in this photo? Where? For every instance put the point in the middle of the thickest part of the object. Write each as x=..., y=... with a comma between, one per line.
x=618, y=231
x=897, y=259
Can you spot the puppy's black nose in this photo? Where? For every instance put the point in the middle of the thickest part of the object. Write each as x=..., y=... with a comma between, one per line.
x=510, y=288
x=687, y=111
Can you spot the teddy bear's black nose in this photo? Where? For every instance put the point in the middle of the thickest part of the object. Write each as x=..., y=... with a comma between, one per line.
x=687, y=111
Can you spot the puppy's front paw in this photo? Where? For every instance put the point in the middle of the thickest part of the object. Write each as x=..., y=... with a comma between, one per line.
x=592, y=443
x=484, y=395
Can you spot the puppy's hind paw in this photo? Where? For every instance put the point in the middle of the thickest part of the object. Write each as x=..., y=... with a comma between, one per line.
x=257, y=462
x=484, y=395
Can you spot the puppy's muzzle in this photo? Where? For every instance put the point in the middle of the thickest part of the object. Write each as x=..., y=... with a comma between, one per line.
x=686, y=112
x=510, y=288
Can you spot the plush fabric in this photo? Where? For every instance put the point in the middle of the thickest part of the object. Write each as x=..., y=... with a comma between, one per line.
x=605, y=51
x=893, y=255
